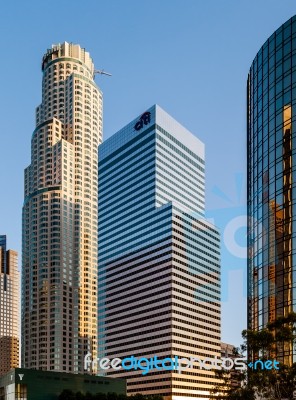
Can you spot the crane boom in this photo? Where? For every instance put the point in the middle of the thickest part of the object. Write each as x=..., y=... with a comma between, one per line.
x=102, y=72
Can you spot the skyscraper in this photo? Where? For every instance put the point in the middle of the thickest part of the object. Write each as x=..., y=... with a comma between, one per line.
x=159, y=259
x=271, y=183
x=59, y=276
x=9, y=308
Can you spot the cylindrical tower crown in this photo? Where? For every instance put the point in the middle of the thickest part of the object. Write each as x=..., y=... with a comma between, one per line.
x=67, y=50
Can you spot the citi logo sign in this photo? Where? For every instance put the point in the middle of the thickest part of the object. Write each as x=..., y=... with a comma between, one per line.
x=144, y=120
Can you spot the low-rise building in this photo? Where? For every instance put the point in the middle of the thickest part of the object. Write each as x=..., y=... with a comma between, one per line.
x=230, y=351
x=30, y=384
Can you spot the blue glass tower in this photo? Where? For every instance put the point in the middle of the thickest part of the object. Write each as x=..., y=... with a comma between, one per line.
x=3, y=253
x=271, y=183
x=159, y=259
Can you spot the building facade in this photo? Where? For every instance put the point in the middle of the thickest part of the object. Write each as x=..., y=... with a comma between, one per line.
x=159, y=259
x=271, y=183
x=9, y=308
x=59, y=275
x=232, y=352
x=29, y=384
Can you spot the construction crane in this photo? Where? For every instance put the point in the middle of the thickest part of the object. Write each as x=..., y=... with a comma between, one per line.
x=102, y=72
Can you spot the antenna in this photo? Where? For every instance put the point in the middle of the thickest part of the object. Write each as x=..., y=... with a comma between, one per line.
x=102, y=72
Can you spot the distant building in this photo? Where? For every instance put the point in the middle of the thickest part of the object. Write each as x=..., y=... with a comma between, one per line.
x=9, y=308
x=29, y=384
x=230, y=351
x=159, y=259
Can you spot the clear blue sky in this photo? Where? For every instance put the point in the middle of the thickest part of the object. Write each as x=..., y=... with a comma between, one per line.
x=191, y=57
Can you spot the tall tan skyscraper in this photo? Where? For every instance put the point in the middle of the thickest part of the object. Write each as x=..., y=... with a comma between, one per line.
x=59, y=278
x=9, y=308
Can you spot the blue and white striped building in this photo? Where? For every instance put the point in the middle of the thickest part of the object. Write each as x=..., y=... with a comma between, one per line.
x=159, y=259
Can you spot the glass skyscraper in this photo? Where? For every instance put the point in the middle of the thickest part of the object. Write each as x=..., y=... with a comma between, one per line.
x=159, y=259
x=60, y=216
x=271, y=182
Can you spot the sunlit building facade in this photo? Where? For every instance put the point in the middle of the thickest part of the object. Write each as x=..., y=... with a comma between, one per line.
x=271, y=183
x=9, y=308
x=159, y=259
x=60, y=211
